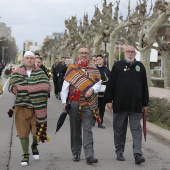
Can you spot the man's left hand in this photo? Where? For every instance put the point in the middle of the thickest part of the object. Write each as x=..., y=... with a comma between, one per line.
x=144, y=109
x=89, y=92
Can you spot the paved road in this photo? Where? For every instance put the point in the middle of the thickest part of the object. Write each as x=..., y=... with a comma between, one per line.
x=56, y=155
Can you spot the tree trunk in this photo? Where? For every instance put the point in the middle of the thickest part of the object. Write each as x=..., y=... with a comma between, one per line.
x=145, y=59
x=48, y=61
x=97, y=44
x=113, y=40
x=52, y=59
x=166, y=63
x=75, y=51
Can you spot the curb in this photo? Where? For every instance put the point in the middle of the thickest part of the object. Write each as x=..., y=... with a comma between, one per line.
x=154, y=129
x=158, y=131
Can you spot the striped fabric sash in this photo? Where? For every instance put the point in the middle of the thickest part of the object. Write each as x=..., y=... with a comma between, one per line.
x=83, y=81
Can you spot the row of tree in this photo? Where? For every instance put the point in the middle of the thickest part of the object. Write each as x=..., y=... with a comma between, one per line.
x=142, y=27
x=8, y=50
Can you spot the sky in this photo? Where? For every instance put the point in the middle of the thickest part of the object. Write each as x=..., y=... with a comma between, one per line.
x=35, y=19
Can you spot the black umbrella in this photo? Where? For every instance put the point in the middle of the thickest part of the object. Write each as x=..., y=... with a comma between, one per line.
x=62, y=117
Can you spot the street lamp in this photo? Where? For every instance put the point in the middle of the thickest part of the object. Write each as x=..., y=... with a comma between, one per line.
x=3, y=48
x=105, y=40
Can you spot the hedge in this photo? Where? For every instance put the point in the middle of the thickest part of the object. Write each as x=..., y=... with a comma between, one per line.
x=159, y=112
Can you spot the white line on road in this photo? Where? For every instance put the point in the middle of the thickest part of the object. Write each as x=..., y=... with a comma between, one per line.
x=4, y=86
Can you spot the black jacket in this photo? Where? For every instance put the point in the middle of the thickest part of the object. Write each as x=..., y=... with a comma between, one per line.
x=61, y=68
x=44, y=69
x=55, y=71
x=105, y=73
x=127, y=87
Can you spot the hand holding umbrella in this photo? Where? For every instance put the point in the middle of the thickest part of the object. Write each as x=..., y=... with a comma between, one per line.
x=62, y=117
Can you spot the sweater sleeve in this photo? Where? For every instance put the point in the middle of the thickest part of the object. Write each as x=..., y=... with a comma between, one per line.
x=11, y=87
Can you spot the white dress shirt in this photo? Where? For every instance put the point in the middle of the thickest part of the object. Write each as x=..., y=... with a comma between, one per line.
x=65, y=89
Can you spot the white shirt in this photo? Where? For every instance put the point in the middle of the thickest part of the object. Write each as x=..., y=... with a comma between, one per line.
x=29, y=72
x=65, y=89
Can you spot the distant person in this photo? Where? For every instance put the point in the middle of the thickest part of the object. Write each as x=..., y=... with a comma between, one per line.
x=61, y=69
x=55, y=77
x=94, y=60
x=81, y=85
x=1, y=68
x=105, y=73
x=31, y=87
x=127, y=88
x=39, y=62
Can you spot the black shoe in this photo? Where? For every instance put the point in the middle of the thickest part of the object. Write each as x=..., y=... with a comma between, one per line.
x=35, y=152
x=76, y=158
x=139, y=159
x=25, y=160
x=101, y=126
x=91, y=160
x=120, y=157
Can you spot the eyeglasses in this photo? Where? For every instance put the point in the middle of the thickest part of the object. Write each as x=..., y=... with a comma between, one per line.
x=130, y=52
x=83, y=53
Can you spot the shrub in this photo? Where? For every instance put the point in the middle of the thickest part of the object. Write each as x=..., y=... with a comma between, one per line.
x=159, y=111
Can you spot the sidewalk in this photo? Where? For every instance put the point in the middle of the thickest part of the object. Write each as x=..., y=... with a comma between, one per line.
x=159, y=92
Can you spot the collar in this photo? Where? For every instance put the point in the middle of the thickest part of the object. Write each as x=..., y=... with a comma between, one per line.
x=130, y=64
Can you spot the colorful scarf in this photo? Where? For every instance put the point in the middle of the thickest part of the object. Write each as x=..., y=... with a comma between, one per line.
x=83, y=81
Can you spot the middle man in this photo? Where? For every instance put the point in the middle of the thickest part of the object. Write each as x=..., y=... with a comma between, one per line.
x=82, y=83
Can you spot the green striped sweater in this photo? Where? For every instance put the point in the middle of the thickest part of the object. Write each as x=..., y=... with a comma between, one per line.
x=31, y=91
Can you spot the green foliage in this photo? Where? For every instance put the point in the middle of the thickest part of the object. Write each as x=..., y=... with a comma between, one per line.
x=159, y=112
x=16, y=60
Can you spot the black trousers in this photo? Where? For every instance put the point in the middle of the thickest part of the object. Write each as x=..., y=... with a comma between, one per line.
x=60, y=84
x=55, y=81
x=101, y=105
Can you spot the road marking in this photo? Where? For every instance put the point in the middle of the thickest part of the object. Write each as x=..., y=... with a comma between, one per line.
x=4, y=86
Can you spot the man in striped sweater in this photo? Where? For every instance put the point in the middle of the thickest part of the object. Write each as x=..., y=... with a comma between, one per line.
x=31, y=87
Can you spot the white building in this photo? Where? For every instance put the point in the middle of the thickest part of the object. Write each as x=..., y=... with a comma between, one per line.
x=5, y=31
x=28, y=44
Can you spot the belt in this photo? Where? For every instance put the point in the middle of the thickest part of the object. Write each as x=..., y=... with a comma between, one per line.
x=27, y=106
